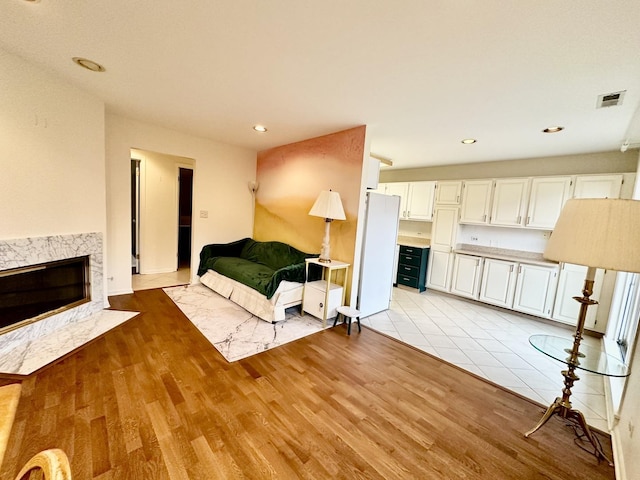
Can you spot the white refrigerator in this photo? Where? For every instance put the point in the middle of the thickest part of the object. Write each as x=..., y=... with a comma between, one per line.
x=377, y=266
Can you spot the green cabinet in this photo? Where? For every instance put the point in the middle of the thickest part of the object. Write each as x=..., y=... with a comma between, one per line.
x=412, y=267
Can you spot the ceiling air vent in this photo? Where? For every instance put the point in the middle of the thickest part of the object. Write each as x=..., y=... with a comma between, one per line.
x=610, y=99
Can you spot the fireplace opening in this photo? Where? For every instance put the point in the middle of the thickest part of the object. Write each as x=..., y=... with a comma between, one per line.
x=31, y=293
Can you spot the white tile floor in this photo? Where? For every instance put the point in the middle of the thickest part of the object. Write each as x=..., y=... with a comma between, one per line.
x=492, y=343
x=160, y=280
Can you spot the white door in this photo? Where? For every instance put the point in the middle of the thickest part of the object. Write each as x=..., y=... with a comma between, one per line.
x=420, y=203
x=401, y=190
x=509, y=201
x=570, y=284
x=476, y=201
x=445, y=228
x=439, y=270
x=448, y=192
x=498, y=282
x=598, y=186
x=466, y=276
x=535, y=287
x=548, y=196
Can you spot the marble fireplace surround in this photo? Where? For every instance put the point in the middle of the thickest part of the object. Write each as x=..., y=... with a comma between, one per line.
x=32, y=346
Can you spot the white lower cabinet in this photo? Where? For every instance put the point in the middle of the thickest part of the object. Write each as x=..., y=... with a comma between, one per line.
x=315, y=298
x=570, y=285
x=498, y=282
x=439, y=270
x=467, y=270
x=535, y=289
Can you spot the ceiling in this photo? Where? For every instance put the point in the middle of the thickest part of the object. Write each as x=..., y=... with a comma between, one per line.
x=421, y=74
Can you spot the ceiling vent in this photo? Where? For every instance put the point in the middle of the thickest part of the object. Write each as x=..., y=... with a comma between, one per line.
x=610, y=99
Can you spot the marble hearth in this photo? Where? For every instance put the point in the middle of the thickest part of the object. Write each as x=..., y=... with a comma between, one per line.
x=35, y=345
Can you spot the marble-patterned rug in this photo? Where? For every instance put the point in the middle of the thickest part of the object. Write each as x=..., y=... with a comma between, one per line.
x=232, y=330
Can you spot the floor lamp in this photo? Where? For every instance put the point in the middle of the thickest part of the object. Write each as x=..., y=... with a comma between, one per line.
x=328, y=206
x=596, y=233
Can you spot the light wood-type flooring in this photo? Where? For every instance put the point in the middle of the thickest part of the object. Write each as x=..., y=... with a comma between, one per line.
x=152, y=399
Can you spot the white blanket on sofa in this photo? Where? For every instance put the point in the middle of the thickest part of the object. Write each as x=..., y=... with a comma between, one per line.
x=287, y=295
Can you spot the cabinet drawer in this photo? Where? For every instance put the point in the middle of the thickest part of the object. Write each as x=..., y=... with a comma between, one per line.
x=408, y=281
x=408, y=270
x=410, y=250
x=409, y=259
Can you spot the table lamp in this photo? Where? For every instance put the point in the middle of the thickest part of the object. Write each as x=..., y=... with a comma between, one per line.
x=328, y=206
x=596, y=233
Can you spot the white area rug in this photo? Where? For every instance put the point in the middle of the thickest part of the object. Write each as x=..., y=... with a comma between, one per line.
x=234, y=332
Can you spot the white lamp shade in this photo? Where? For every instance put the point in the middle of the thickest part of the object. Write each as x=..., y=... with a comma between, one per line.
x=328, y=205
x=599, y=233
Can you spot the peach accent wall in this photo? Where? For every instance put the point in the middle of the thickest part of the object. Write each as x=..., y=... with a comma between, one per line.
x=291, y=177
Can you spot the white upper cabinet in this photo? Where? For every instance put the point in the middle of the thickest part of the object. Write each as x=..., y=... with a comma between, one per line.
x=416, y=199
x=509, y=201
x=548, y=196
x=420, y=200
x=476, y=201
x=400, y=189
x=598, y=186
x=448, y=192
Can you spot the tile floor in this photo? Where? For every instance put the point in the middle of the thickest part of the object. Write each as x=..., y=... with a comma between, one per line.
x=492, y=343
x=161, y=280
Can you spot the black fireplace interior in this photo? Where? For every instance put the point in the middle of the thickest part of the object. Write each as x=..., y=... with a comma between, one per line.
x=26, y=293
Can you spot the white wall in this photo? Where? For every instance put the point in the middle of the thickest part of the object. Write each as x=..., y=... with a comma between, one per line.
x=220, y=187
x=52, y=163
x=626, y=438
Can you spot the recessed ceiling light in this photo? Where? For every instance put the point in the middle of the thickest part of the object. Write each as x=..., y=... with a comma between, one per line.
x=260, y=128
x=88, y=64
x=469, y=141
x=554, y=129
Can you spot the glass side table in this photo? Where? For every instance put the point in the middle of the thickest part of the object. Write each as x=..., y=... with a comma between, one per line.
x=589, y=359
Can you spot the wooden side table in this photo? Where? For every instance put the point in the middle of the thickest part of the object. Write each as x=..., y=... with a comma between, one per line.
x=334, y=294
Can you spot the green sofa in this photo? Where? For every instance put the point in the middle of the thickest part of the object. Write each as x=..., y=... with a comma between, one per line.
x=230, y=268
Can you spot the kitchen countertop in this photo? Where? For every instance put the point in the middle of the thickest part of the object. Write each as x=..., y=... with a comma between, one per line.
x=417, y=242
x=504, y=254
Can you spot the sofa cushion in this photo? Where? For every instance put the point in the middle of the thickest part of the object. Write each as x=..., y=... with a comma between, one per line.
x=275, y=255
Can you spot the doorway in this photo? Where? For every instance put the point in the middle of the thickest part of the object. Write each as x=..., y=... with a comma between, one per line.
x=135, y=216
x=185, y=200
x=161, y=219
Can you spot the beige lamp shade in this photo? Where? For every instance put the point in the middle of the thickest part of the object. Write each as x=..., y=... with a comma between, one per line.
x=328, y=205
x=598, y=233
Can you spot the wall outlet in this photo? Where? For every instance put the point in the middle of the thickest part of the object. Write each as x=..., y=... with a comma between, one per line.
x=631, y=428
x=546, y=235
x=474, y=239
x=204, y=213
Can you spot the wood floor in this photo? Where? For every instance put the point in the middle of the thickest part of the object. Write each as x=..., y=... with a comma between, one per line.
x=152, y=399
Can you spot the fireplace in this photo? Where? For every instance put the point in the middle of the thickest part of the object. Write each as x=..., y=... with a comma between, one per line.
x=34, y=292
x=23, y=254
